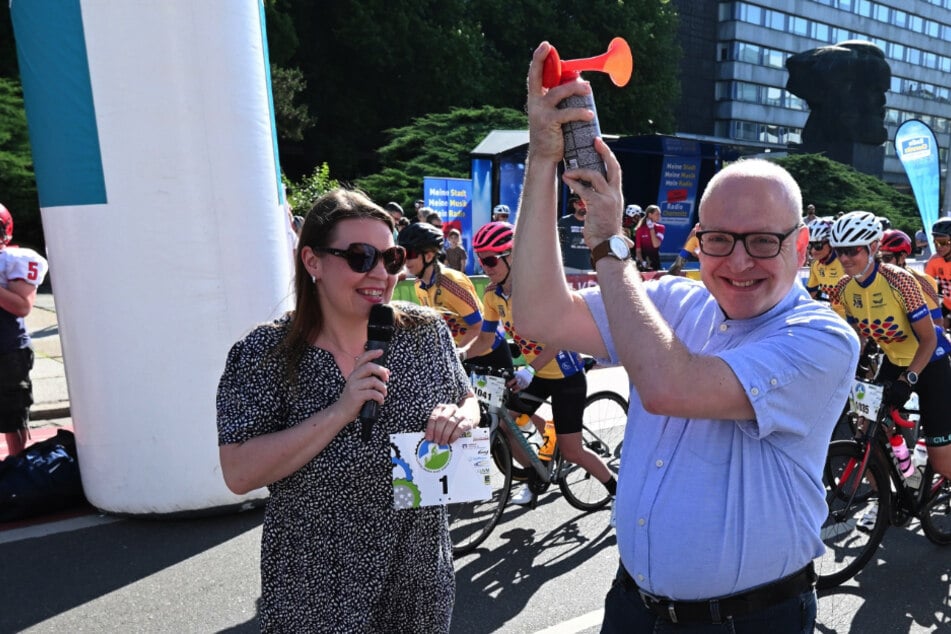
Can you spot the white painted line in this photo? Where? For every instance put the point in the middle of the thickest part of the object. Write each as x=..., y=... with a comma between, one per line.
x=52, y=528
x=577, y=624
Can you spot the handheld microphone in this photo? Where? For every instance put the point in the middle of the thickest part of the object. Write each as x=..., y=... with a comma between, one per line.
x=379, y=334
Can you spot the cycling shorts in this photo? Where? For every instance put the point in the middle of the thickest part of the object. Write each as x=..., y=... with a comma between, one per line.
x=567, y=394
x=934, y=397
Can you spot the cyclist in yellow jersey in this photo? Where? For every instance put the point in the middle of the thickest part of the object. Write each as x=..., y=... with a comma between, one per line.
x=558, y=374
x=939, y=265
x=825, y=270
x=885, y=302
x=895, y=248
x=448, y=291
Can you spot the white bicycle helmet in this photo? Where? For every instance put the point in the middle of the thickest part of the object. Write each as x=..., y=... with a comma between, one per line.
x=819, y=229
x=634, y=211
x=855, y=229
x=501, y=209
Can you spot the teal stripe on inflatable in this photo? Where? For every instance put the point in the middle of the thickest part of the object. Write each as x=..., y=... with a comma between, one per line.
x=57, y=92
x=270, y=103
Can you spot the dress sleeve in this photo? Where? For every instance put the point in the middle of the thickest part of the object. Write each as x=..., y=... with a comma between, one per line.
x=248, y=400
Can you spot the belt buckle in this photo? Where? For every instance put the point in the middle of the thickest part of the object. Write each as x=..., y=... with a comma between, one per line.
x=650, y=601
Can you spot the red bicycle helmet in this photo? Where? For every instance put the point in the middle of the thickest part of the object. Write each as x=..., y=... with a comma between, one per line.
x=895, y=241
x=6, y=225
x=495, y=237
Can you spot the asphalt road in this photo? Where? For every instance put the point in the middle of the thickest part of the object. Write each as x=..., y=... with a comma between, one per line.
x=543, y=570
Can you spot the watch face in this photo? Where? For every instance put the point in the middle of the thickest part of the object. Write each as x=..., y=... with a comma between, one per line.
x=619, y=248
x=912, y=377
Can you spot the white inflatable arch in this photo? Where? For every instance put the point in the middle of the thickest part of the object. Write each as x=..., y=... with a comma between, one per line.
x=156, y=163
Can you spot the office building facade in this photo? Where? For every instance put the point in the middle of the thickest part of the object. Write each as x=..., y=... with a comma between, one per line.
x=734, y=76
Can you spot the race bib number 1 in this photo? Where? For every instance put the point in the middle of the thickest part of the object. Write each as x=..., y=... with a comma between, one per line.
x=427, y=474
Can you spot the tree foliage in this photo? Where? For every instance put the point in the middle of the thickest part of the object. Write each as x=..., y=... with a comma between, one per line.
x=302, y=194
x=434, y=145
x=833, y=187
x=374, y=65
x=17, y=182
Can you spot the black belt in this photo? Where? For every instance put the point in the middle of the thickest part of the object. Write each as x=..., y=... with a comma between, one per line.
x=724, y=608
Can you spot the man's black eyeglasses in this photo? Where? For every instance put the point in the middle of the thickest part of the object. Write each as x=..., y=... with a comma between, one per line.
x=491, y=260
x=761, y=245
x=362, y=257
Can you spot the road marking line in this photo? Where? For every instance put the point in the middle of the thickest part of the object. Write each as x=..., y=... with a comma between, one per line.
x=576, y=624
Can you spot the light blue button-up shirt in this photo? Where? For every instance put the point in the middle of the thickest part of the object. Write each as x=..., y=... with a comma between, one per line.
x=708, y=508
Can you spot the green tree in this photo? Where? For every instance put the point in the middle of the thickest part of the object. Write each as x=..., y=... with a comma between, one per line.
x=302, y=194
x=17, y=182
x=833, y=187
x=434, y=145
x=292, y=119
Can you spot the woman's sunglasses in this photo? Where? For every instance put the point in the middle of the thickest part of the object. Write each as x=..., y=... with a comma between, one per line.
x=491, y=260
x=815, y=246
x=362, y=257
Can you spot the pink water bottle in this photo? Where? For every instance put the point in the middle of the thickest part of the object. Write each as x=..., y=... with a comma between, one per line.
x=902, y=456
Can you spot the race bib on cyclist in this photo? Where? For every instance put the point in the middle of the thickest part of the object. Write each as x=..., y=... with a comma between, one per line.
x=427, y=474
x=866, y=399
x=488, y=389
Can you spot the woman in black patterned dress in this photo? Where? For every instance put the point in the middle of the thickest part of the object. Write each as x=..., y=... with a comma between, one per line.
x=335, y=555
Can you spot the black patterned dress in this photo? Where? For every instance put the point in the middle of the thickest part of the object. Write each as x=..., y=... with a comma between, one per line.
x=335, y=555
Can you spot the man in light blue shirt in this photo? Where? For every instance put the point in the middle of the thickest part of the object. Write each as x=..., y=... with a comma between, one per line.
x=736, y=385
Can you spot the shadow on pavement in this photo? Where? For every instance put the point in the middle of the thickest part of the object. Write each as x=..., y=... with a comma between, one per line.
x=494, y=586
x=53, y=574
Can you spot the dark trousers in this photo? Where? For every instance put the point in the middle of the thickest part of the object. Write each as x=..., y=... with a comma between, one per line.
x=625, y=613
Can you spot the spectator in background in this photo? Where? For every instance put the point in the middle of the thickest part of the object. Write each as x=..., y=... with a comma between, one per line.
x=632, y=216
x=456, y=255
x=922, y=248
x=501, y=213
x=575, y=254
x=810, y=214
x=395, y=211
x=21, y=272
x=417, y=213
x=430, y=216
x=648, y=237
x=401, y=224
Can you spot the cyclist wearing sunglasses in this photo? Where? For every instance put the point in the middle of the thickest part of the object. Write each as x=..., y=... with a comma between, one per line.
x=550, y=372
x=895, y=248
x=885, y=303
x=448, y=291
x=720, y=498
x=825, y=270
x=288, y=405
x=938, y=266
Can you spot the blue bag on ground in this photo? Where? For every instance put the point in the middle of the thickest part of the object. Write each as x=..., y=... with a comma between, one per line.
x=42, y=479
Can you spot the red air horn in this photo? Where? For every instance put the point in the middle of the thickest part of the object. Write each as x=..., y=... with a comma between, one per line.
x=616, y=62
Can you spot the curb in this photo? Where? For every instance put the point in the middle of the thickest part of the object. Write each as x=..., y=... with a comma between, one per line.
x=50, y=412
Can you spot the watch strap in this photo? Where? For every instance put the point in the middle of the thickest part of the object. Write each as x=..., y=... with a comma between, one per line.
x=604, y=249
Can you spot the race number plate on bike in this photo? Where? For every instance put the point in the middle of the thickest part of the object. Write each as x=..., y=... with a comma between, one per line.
x=866, y=399
x=488, y=389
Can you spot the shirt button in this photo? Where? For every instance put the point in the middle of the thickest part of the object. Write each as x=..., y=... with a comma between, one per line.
x=659, y=463
x=773, y=382
x=640, y=577
x=754, y=391
x=723, y=327
x=641, y=521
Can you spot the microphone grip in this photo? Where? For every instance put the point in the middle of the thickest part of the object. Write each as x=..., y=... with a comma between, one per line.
x=371, y=409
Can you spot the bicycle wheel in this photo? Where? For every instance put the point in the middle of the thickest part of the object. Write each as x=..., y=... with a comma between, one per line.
x=936, y=516
x=605, y=417
x=858, y=514
x=471, y=522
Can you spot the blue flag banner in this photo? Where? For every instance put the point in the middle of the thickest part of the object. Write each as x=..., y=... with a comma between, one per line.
x=677, y=193
x=452, y=199
x=918, y=151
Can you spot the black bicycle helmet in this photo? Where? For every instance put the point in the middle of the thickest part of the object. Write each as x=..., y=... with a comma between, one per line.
x=942, y=227
x=421, y=236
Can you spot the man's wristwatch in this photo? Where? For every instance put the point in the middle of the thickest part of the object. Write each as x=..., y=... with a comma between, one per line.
x=911, y=377
x=616, y=246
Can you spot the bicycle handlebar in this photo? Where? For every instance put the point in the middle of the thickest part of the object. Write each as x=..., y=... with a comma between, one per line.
x=898, y=420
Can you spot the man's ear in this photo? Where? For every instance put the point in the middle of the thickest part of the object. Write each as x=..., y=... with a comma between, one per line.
x=802, y=244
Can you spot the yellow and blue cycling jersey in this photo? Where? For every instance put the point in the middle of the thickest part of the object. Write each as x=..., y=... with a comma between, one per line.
x=884, y=307
x=499, y=310
x=824, y=275
x=453, y=296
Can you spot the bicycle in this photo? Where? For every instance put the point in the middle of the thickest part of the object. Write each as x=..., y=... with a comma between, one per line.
x=863, y=481
x=605, y=415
